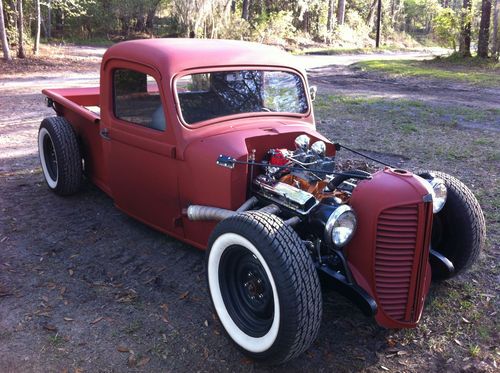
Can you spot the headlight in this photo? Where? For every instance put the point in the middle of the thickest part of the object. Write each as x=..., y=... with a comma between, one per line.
x=439, y=194
x=340, y=226
x=319, y=147
x=302, y=142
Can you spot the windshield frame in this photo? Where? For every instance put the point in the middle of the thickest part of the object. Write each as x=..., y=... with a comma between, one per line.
x=225, y=118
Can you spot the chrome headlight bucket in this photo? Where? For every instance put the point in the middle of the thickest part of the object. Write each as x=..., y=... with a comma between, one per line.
x=319, y=148
x=302, y=142
x=340, y=227
x=439, y=194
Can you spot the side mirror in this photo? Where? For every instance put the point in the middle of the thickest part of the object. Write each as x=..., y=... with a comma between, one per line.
x=312, y=91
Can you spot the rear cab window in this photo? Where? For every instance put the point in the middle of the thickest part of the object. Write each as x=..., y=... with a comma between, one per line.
x=137, y=99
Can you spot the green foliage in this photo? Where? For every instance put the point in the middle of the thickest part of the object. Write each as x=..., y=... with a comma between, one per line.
x=420, y=13
x=446, y=26
x=71, y=8
x=296, y=23
x=236, y=28
x=275, y=26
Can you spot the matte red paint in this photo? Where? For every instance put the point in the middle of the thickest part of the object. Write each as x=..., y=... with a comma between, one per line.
x=153, y=175
x=388, y=190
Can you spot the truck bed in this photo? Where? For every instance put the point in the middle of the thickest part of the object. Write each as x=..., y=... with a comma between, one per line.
x=81, y=101
x=81, y=107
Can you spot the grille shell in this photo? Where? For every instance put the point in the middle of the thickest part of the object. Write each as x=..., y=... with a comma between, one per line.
x=401, y=252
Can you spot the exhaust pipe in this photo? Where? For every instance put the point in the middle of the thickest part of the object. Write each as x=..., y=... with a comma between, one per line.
x=198, y=212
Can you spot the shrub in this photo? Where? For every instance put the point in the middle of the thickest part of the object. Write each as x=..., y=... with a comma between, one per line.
x=446, y=27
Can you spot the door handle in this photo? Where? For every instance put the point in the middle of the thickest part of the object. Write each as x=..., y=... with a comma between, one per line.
x=105, y=134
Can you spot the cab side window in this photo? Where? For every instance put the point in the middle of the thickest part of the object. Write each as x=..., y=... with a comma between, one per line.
x=137, y=99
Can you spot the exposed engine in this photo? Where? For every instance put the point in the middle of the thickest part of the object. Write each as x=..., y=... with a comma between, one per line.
x=302, y=186
x=302, y=178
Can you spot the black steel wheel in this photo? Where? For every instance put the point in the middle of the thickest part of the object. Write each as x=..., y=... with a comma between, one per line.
x=459, y=229
x=246, y=290
x=59, y=156
x=264, y=286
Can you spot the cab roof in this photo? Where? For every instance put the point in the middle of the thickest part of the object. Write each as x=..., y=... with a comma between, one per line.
x=171, y=56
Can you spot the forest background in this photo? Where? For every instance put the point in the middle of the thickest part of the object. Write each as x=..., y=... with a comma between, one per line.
x=468, y=27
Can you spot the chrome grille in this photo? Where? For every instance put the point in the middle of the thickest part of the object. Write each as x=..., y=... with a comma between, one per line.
x=396, y=240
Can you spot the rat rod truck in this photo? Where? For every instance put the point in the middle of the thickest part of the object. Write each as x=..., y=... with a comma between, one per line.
x=213, y=142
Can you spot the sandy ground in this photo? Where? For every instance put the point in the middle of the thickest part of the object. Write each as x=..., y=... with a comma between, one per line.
x=85, y=288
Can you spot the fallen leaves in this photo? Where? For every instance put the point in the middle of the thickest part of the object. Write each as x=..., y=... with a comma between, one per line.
x=68, y=319
x=164, y=317
x=134, y=361
x=50, y=327
x=143, y=361
x=4, y=292
x=150, y=280
x=184, y=295
x=41, y=313
x=128, y=296
x=95, y=321
x=122, y=348
x=391, y=342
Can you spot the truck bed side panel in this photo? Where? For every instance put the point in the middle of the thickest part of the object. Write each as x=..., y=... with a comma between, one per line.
x=69, y=103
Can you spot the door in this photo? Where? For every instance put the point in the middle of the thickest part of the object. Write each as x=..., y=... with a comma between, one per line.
x=142, y=165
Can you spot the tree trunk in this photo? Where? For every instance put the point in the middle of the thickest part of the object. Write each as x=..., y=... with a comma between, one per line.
x=341, y=12
x=306, y=23
x=49, y=19
x=484, y=29
x=464, y=47
x=495, y=41
x=20, y=29
x=3, y=36
x=371, y=13
x=36, y=47
x=245, y=12
x=379, y=23
x=329, y=20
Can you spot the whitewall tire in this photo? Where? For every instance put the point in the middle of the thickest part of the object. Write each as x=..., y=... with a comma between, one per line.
x=264, y=287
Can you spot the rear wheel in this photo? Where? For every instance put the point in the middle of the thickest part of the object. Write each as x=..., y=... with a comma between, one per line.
x=59, y=156
x=264, y=286
x=459, y=229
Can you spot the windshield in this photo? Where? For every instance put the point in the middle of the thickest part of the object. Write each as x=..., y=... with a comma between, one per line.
x=211, y=95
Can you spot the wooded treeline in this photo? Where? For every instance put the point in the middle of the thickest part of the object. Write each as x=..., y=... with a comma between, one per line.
x=466, y=25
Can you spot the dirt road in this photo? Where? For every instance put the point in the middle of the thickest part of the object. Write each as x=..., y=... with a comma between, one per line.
x=82, y=286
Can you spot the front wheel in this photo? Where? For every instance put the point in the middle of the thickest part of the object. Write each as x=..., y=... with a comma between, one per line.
x=264, y=286
x=459, y=229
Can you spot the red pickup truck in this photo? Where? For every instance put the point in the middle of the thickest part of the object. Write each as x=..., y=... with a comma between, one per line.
x=213, y=142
